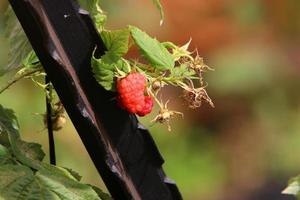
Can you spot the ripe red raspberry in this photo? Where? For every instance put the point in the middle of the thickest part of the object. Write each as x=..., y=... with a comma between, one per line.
x=131, y=97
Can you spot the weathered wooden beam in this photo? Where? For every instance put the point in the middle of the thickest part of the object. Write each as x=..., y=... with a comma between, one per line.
x=124, y=153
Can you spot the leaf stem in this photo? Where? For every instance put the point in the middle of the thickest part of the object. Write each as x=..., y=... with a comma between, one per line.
x=18, y=76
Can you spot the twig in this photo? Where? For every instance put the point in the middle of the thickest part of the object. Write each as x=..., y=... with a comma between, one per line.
x=18, y=76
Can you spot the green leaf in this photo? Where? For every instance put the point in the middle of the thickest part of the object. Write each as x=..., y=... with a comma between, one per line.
x=8, y=122
x=76, y=175
x=98, y=16
x=116, y=43
x=293, y=188
x=104, y=68
x=104, y=72
x=57, y=182
x=27, y=153
x=5, y=156
x=31, y=60
x=15, y=182
x=161, y=11
x=181, y=71
x=19, y=46
x=20, y=183
x=152, y=50
x=23, y=176
x=101, y=194
x=30, y=150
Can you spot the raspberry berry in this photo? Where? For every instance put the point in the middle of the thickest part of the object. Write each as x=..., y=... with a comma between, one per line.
x=131, y=90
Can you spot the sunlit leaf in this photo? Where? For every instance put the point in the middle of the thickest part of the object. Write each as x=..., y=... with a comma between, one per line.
x=104, y=72
x=19, y=46
x=27, y=153
x=21, y=183
x=116, y=43
x=31, y=60
x=152, y=50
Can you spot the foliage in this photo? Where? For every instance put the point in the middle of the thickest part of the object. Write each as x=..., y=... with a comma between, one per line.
x=162, y=64
x=152, y=50
x=19, y=44
x=23, y=175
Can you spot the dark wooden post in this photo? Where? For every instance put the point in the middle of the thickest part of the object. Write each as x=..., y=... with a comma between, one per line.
x=124, y=153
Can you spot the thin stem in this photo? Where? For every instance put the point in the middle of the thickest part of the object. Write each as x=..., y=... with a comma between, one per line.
x=49, y=123
x=155, y=98
x=18, y=76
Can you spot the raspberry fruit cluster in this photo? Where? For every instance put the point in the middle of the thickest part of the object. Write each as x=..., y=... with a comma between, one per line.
x=131, y=94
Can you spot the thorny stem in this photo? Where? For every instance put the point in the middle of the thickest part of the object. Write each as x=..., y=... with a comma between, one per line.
x=18, y=76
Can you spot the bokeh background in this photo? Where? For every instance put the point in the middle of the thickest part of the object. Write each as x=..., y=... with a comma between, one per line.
x=247, y=147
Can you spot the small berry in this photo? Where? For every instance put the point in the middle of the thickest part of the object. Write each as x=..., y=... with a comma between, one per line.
x=131, y=90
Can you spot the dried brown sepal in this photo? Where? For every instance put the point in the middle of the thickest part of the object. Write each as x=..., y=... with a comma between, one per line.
x=198, y=65
x=194, y=96
x=165, y=115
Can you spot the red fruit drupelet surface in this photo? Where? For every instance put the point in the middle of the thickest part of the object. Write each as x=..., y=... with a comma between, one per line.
x=147, y=107
x=131, y=94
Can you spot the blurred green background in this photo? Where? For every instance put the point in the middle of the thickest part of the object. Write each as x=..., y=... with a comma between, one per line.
x=247, y=147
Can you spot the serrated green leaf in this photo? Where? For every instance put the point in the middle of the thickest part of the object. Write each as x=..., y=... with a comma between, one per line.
x=22, y=156
x=101, y=194
x=5, y=156
x=19, y=46
x=14, y=180
x=152, y=50
x=65, y=187
x=160, y=9
x=20, y=183
x=27, y=153
x=181, y=71
x=8, y=121
x=31, y=60
x=104, y=72
x=116, y=43
x=73, y=173
x=32, y=151
x=23, y=176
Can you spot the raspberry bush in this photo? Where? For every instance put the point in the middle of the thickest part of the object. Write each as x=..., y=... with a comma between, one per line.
x=164, y=63
x=136, y=82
